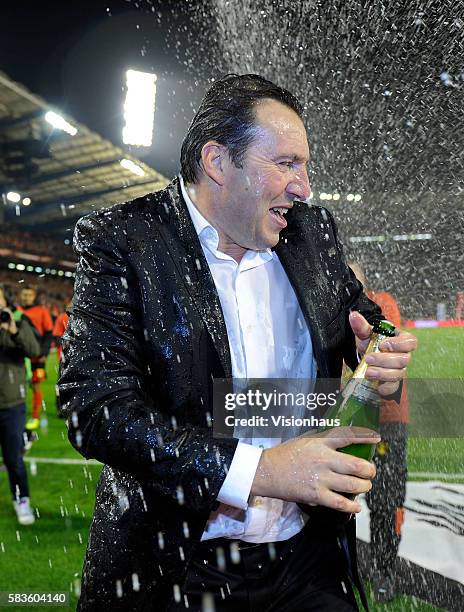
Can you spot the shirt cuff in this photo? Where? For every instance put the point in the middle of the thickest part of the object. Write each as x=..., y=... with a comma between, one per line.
x=236, y=487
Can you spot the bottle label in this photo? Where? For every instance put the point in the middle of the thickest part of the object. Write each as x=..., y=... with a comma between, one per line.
x=365, y=392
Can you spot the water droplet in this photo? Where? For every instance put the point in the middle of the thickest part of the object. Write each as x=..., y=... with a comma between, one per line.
x=135, y=582
x=234, y=553
x=220, y=559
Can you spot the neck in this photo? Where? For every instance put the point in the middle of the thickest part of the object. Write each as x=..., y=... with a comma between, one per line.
x=230, y=248
x=206, y=202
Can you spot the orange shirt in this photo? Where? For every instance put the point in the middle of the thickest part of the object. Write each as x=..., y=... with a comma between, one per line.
x=60, y=324
x=59, y=329
x=40, y=318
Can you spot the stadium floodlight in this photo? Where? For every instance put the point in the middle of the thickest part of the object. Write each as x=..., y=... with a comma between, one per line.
x=336, y=196
x=357, y=197
x=380, y=238
x=12, y=196
x=128, y=164
x=408, y=237
x=350, y=197
x=139, y=108
x=60, y=123
x=322, y=196
x=26, y=201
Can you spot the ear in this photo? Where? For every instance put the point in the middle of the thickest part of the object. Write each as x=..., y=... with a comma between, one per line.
x=213, y=156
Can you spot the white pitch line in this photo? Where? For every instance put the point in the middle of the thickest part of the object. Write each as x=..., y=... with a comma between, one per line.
x=62, y=461
x=59, y=461
x=437, y=475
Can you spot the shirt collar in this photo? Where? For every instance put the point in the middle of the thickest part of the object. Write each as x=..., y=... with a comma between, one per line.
x=199, y=221
x=207, y=234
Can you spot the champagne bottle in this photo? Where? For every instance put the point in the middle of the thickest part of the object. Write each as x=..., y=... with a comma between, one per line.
x=358, y=404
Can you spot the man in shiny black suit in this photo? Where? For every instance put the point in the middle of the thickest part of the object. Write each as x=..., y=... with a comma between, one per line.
x=225, y=273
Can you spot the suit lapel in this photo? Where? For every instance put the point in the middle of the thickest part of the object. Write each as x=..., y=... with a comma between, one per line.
x=297, y=254
x=293, y=254
x=187, y=254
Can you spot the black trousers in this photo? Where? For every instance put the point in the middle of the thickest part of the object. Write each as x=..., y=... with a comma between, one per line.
x=307, y=572
x=12, y=422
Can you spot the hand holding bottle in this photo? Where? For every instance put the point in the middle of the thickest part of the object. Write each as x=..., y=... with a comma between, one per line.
x=389, y=365
x=310, y=470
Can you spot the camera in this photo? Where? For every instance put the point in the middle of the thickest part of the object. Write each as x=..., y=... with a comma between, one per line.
x=5, y=316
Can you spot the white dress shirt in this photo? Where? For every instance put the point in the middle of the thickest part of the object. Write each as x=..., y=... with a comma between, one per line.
x=268, y=338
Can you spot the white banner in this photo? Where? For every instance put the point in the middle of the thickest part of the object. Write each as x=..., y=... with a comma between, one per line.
x=433, y=529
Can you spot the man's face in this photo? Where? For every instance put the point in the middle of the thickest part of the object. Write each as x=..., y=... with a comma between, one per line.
x=27, y=297
x=274, y=173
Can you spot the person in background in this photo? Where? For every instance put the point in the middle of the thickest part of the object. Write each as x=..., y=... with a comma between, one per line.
x=386, y=498
x=58, y=330
x=60, y=327
x=55, y=307
x=43, y=324
x=17, y=341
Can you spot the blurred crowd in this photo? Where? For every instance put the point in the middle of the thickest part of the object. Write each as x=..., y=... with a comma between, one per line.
x=52, y=292
x=34, y=244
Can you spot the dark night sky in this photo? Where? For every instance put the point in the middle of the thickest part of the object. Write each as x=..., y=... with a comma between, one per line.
x=75, y=54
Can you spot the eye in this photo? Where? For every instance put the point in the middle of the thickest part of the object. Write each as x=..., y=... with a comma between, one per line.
x=286, y=164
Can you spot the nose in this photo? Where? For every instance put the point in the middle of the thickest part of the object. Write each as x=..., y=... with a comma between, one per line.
x=299, y=187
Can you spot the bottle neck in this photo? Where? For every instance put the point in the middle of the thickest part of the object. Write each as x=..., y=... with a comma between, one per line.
x=374, y=343
x=372, y=347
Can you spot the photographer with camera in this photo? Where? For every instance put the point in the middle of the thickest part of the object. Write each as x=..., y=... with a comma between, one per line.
x=17, y=341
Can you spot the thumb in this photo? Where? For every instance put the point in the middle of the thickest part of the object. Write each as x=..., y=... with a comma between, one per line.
x=359, y=325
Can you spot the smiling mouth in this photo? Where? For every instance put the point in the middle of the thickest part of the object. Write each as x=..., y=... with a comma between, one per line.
x=278, y=216
x=279, y=210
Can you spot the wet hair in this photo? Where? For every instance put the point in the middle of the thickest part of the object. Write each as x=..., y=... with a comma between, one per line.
x=227, y=115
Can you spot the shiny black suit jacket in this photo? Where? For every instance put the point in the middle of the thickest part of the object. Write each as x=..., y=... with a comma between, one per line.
x=145, y=339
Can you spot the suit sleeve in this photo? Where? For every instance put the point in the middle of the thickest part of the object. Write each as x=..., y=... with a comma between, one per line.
x=102, y=377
